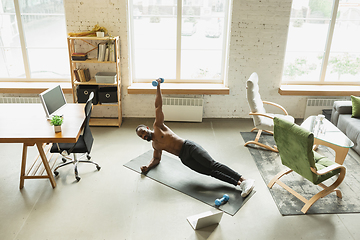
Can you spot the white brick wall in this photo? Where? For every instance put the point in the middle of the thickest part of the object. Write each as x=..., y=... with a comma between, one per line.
x=257, y=43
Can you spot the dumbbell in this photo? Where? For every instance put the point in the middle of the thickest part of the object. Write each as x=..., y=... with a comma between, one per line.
x=155, y=83
x=222, y=200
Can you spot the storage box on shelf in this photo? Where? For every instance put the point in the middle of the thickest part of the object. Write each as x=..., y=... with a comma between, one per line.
x=107, y=95
x=106, y=86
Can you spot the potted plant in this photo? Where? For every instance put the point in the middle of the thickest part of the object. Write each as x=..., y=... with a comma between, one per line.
x=56, y=121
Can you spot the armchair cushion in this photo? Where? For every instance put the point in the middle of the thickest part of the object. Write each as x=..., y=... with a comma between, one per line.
x=322, y=162
x=266, y=123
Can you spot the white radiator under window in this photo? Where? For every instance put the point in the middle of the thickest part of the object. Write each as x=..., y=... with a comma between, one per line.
x=183, y=109
x=20, y=100
x=315, y=106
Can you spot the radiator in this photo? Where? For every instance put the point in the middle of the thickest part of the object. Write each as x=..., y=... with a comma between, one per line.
x=20, y=100
x=315, y=106
x=183, y=109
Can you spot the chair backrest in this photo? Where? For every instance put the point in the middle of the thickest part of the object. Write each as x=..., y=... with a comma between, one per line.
x=295, y=145
x=88, y=138
x=253, y=97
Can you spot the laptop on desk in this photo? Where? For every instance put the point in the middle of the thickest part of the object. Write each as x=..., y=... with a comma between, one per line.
x=53, y=101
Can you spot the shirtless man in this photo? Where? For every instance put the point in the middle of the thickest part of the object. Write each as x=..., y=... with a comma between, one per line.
x=191, y=154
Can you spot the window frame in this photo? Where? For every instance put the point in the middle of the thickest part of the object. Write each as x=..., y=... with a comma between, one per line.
x=24, y=49
x=179, y=8
x=321, y=79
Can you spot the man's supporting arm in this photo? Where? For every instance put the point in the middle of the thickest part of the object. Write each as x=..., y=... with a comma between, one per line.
x=154, y=161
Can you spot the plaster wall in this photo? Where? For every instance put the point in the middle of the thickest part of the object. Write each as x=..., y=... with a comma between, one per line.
x=257, y=43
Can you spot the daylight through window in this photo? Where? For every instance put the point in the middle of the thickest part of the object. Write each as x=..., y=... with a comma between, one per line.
x=323, y=43
x=181, y=41
x=33, y=41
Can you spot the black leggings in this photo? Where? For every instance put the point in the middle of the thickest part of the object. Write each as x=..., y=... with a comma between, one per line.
x=199, y=160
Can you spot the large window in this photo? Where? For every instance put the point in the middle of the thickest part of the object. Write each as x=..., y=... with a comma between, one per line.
x=33, y=41
x=179, y=40
x=323, y=45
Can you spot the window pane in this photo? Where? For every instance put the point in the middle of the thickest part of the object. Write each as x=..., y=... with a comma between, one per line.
x=42, y=7
x=307, y=36
x=45, y=37
x=45, y=65
x=199, y=64
x=7, y=6
x=9, y=34
x=302, y=66
x=154, y=40
x=164, y=66
x=343, y=67
x=202, y=39
x=52, y=32
x=344, y=59
x=11, y=63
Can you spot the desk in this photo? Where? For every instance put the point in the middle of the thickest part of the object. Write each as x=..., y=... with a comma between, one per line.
x=332, y=137
x=27, y=124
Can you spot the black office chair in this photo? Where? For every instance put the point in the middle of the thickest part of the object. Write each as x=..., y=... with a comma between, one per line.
x=83, y=145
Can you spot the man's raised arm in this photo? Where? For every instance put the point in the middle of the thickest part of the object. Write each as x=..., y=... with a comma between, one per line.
x=159, y=115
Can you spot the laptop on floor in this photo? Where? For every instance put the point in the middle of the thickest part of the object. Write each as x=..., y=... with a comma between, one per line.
x=205, y=219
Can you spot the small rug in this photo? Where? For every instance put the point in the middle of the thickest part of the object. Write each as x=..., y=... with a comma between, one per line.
x=172, y=173
x=269, y=164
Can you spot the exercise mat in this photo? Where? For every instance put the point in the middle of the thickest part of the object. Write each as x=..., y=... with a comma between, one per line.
x=172, y=173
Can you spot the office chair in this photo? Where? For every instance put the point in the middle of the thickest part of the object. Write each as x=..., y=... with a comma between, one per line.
x=263, y=121
x=83, y=145
x=295, y=146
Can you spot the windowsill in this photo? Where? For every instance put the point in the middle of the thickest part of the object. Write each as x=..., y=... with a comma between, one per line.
x=319, y=90
x=33, y=87
x=179, y=88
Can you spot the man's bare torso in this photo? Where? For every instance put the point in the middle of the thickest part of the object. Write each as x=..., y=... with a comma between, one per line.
x=165, y=139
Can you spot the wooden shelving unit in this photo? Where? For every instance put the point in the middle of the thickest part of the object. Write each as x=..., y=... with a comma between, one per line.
x=73, y=64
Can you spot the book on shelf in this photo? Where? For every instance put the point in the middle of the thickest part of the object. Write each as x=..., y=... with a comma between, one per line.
x=79, y=56
x=101, y=52
x=87, y=74
x=112, y=54
x=82, y=74
x=106, y=54
x=76, y=73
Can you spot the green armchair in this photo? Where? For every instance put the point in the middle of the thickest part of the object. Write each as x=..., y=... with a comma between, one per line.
x=295, y=145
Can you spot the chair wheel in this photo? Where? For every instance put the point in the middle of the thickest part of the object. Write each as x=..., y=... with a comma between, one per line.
x=78, y=178
x=64, y=160
x=56, y=173
x=88, y=157
x=98, y=168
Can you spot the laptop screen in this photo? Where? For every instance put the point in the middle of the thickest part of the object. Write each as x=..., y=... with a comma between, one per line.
x=52, y=99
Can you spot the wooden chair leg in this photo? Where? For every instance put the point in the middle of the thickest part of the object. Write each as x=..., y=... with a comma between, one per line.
x=278, y=176
x=321, y=194
x=256, y=141
x=326, y=191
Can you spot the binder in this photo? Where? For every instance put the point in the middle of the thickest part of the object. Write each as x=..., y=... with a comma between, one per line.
x=101, y=52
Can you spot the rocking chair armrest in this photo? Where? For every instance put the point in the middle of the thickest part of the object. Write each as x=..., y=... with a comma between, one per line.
x=261, y=114
x=327, y=169
x=276, y=105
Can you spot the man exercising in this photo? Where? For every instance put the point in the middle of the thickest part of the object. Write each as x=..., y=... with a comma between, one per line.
x=191, y=154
